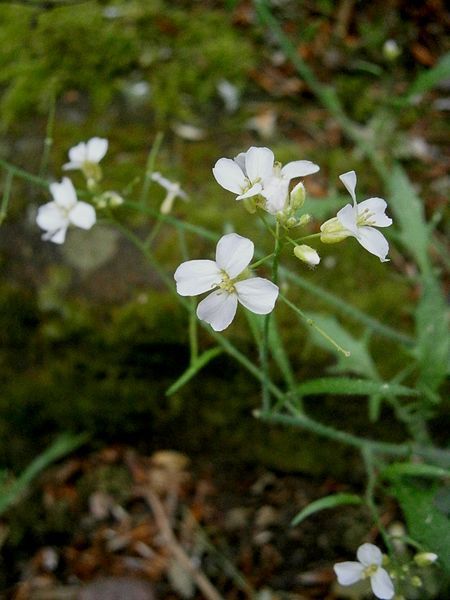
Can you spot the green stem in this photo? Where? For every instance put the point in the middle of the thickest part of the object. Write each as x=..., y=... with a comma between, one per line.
x=314, y=325
x=6, y=195
x=17, y=171
x=150, y=167
x=368, y=458
x=48, y=142
x=261, y=261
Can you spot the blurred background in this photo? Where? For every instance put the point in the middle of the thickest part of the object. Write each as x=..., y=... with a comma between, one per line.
x=90, y=339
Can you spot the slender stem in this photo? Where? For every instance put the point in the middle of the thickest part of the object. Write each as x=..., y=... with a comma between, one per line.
x=6, y=195
x=314, y=325
x=17, y=171
x=368, y=458
x=261, y=261
x=305, y=237
x=193, y=321
x=150, y=166
x=48, y=142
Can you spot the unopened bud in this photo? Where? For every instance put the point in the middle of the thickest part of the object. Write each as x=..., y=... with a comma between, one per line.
x=304, y=220
x=391, y=50
x=307, y=255
x=333, y=232
x=424, y=559
x=416, y=581
x=297, y=196
x=108, y=199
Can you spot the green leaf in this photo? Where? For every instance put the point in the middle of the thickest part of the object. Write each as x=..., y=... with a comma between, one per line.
x=359, y=362
x=409, y=216
x=433, y=342
x=10, y=492
x=426, y=523
x=278, y=352
x=395, y=470
x=347, y=386
x=430, y=78
x=193, y=369
x=323, y=503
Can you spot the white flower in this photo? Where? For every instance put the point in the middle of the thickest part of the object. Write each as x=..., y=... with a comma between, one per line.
x=276, y=188
x=233, y=255
x=368, y=565
x=359, y=221
x=173, y=191
x=85, y=155
x=255, y=172
x=246, y=173
x=65, y=209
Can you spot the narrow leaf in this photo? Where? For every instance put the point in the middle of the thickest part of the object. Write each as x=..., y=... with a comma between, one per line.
x=193, y=369
x=323, y=503
x=347, y=386
x=432, y=77
x=414, y=470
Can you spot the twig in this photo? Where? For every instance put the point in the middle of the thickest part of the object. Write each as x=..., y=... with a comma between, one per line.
x=203, y=583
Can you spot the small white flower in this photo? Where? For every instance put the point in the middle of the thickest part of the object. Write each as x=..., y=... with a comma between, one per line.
x=65, y=209
x=85, y=154
x=233, y=255
x=173, y=191
x=359, y=221
x=255, y=173
x=369, y=564
x=276, y=188
x=246, y=173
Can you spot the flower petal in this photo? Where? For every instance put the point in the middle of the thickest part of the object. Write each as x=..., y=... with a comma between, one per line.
x=259, y=163
x=194, y=277
x=78, y=153
x=349, y=180
x=382, y=585
x=257, y=294
x=229, y=175
x=377, y=207
x=50, y=217
x=96, y=149
x=253, y=191
x=276, y=192
x=240, y=160
x=64, y=193
x=234, y=253
x=299, y=168
x=373, y=241
x=347, y=217
x=218, y=309
x=82, y=215
x=369, y=554
x=57, y=237
x=348, y=572
x=70, y=166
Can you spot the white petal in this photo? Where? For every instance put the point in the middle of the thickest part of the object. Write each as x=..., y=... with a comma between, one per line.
x=369, y=554
x=373, y=241
x=257, y=294
x=347, y=217
x=376, y=206
x=276, y=191
x=218, y=309
x=57, y=237
x=78, y=153
x=234, y=253
x=229, y=175
x=348, y=572
x=299, y=168
x=253, y=191
x=240, y=160
x=259, y=163
x=194, y=277
x=70, y=166
x=96, y=149
x=82, y=215
x=349, y=180
x=64, y=193
x=50, y=217
x=382, y=585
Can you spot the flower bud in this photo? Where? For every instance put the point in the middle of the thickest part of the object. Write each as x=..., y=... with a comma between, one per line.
x=391, y=50
x=297, y=197
x=304, y=220
x=424, y=559
x=307, y=255
x=332, y=231
x=416, y=581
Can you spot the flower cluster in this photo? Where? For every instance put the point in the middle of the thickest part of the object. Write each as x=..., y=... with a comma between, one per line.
x=55, y=217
